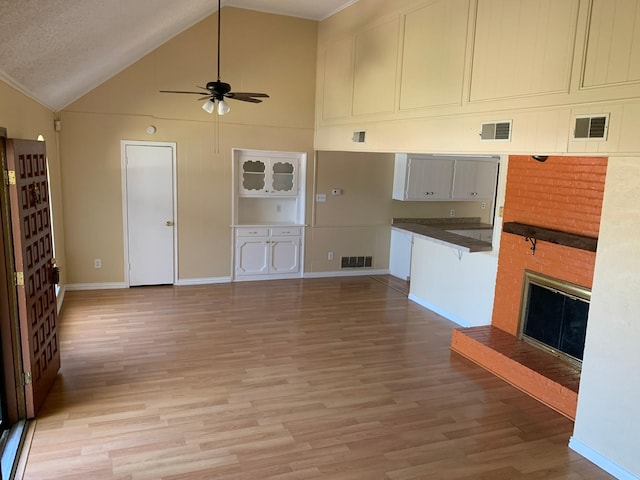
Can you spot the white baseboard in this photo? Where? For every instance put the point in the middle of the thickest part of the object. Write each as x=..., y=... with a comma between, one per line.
x=361, y=272
x=202, y=281
x=95, y=286
x=438, y=310
x=600, y=460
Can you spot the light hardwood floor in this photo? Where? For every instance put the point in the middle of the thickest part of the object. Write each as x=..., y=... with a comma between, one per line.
x=340, y=378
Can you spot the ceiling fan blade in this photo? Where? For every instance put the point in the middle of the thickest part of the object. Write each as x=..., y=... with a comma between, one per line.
x=180, y=91
x=246, y=99
x=236, y=95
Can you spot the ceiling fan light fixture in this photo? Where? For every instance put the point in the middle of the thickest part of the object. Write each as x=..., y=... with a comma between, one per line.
x=223, y=108
x=208, y=106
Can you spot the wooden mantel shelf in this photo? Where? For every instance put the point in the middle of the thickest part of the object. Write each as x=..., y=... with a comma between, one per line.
x=553, y=236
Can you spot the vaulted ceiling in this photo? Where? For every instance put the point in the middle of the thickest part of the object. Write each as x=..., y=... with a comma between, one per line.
x=56, y=51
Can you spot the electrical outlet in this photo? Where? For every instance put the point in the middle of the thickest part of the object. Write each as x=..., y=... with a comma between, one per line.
x=329, y=255
x=321, y=197
x=483, y=205
x=452, y=213
x=97, y=263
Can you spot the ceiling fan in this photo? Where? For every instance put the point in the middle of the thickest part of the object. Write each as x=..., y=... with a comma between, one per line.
x=218, y=90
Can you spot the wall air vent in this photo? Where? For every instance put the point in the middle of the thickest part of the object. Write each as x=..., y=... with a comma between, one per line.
x=358, y=137
x=356, y=262
x=496, y=130
x=589, y=127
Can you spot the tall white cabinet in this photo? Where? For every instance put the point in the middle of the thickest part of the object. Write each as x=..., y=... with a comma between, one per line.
x=268, y=214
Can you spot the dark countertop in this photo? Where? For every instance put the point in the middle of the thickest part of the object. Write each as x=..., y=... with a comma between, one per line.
x=435, y=229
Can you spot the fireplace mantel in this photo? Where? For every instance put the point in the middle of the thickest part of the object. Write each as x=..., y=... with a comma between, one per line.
x=552, y=236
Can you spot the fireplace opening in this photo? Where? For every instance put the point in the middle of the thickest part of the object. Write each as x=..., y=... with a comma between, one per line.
x=553, y=315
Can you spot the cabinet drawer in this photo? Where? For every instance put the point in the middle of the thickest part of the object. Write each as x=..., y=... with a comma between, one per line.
x=252, y=232
x=285, y=231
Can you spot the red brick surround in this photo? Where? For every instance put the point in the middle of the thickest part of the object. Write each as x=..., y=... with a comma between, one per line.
x=563, y=193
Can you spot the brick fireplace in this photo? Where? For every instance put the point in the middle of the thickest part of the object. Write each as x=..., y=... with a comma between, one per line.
x=561, y=194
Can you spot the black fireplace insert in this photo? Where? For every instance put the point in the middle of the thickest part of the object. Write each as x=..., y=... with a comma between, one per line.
x=553, y=315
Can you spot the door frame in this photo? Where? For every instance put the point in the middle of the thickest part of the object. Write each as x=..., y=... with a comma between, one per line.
x=125, y=223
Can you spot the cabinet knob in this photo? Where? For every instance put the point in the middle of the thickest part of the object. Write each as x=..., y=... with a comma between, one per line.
x=474, y=194
x=169, y=223
x=428, y=193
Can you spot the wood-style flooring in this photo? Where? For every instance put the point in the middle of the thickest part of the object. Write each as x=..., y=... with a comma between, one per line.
x=340, y=378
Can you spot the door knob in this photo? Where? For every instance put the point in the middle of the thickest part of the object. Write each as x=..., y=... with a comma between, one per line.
x=169, y=223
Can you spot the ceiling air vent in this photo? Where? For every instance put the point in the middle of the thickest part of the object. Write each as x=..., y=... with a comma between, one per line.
x=496, y=130
x=358, y=137
x=589, y=127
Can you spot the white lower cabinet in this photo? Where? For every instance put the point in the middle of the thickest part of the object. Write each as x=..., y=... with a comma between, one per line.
x=267, y=252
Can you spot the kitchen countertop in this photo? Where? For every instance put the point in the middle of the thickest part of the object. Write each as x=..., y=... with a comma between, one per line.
x=435, y=229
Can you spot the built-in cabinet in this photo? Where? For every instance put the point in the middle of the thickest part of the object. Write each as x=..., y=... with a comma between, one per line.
x=420, y=177
x=268, y=213
x=267, y=251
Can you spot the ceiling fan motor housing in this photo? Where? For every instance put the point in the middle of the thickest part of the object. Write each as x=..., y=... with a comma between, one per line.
x=218, y=88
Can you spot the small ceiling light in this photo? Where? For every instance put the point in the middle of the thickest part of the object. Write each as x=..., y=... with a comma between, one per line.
x=223, y=108
x=151, y=129
x=209, y=106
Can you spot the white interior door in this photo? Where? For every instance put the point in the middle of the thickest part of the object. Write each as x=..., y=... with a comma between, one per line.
x=150, y=210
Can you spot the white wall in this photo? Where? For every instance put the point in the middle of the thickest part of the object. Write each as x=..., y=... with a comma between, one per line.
x=457, y=285
x=607, y=427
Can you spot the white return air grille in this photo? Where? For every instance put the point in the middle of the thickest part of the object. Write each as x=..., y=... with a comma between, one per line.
x=588, y=127
x=496, y=130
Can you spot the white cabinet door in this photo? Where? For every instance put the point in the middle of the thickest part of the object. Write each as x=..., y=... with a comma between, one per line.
x=285, y=255
x=474, y=180
x=252, y=256
x=267, y=176
x=429, y=178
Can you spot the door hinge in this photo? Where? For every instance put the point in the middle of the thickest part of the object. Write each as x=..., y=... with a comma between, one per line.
x=19, y=277
x=26, y=378
x=10, y=177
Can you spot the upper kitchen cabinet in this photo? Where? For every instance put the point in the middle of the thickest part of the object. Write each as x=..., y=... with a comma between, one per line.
x=267, y=176
x=435, y=37
x=474, y=179
x=523, y=48
x=422, y=177
x=432, y=177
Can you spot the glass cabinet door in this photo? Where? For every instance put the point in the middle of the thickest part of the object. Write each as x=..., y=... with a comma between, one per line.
x=283, y=177
x=253, y=175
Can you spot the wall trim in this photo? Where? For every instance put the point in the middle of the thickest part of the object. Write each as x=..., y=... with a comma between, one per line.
x=600, y=460
x=95, y=286
x=439, y=311
x=361, y=272
x=202, y=281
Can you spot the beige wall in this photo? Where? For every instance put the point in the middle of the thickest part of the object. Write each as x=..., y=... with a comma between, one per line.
x=356, y=223
x=122, y=108
x=25, y=118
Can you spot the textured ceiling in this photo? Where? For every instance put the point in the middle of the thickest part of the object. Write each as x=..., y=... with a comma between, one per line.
x=56, y=51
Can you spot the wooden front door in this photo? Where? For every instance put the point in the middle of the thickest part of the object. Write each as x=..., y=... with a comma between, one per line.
x=33, y=254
